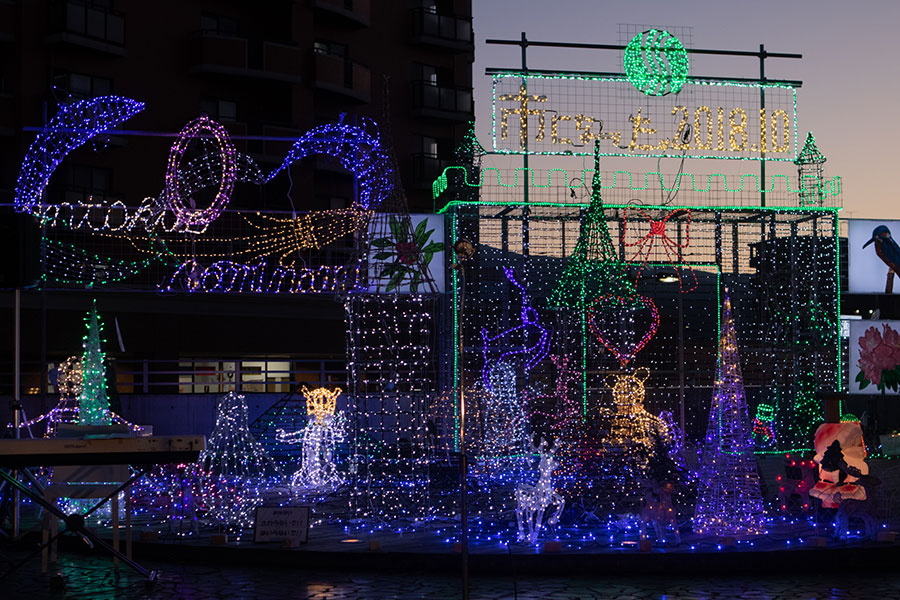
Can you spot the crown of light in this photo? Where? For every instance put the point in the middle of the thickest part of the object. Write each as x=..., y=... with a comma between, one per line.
x=320, y=402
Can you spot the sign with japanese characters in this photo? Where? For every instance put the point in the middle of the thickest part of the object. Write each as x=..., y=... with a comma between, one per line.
x=565, y=114
x=279, y=523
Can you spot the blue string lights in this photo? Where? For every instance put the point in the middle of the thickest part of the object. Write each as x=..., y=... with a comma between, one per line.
x=358, y=151
x=74, y=125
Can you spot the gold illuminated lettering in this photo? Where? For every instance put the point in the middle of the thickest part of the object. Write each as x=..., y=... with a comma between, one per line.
x=523, y=111
x=554, y=129
x=720, y=134
x=737, y=129
x=785, y=131
x=681, y=134
x=583, y=126
x=698, y=135
x=639, y=128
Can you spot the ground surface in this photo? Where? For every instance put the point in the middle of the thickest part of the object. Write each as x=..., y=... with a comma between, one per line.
x=93, y=578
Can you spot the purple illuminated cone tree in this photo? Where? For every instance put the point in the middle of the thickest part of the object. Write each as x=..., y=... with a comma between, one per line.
x=729, y=501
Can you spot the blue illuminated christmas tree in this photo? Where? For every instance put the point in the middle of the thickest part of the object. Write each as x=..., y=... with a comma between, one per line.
x=93, y=405
x=729, y=501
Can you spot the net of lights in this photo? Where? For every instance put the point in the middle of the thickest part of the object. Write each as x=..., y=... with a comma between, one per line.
x=456, y=175
x=713, y=237
x=570, y=255
x=391, y=378
x=703, y=131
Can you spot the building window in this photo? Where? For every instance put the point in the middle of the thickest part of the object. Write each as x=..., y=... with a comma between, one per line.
x=80, y=183
x=81, y=85
x=330, y=48
x=437, y=7
x=429, y=145
x=212, y=23
x=219, y=110
x=425, y=73
x=93, y=19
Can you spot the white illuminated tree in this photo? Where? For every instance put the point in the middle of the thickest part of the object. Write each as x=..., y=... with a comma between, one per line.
x=235, y=470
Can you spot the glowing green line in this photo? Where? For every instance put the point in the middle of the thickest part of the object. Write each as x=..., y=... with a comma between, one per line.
x=829, y=187
x=577, y=205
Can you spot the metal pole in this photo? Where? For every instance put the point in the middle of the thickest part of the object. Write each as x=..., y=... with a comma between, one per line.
x=762, y=141
x=463, y=459
x=526, y=210
x=680, y=345
x=17, y=401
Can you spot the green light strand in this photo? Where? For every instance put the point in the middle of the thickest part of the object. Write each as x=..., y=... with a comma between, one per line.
x=750, y=209
x=457, y=383
x=828, y=188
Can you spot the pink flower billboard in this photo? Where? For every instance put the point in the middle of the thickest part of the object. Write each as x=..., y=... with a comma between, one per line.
x=874, y=357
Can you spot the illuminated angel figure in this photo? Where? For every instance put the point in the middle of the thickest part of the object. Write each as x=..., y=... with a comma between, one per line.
x=318, y=439
x=532, y=501
x=509, y=341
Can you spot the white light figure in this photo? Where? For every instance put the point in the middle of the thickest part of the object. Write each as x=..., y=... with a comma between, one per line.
x=533, y=500
x=505, y=422
x=318, y=439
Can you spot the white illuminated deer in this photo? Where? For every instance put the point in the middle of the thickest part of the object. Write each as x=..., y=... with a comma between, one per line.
x=533, y=500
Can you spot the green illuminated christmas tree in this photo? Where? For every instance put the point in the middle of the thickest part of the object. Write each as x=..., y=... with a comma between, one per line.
x=594, y=268
x=93, y=405
x=469, y=148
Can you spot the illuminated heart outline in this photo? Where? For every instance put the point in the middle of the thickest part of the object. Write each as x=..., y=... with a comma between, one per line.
x=624, y=357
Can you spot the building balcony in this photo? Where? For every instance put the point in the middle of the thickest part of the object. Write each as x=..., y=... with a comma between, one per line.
x=426, y=168
x=276, y=144
x=218, y=54
x=238, y=132
x=442, y=102
x=7, y=22
x=446, y=31
x=340, y=75
x=7, y=114
x=350, y=13
x=75, y=23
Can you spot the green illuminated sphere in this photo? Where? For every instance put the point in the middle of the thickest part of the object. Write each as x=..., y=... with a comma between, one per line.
x=656, y=63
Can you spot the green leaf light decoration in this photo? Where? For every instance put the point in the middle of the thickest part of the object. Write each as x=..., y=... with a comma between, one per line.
x=656, y=63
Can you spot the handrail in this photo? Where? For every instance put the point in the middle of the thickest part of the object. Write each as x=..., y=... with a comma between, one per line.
x=198, y=375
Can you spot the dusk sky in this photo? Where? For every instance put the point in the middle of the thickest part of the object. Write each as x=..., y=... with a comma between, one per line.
x=849, y=69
